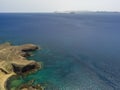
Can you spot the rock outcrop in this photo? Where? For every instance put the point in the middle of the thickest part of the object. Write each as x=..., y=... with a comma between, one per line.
x=31, y=86
x=13, y=61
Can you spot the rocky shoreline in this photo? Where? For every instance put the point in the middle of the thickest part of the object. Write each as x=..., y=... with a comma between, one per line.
x=13, y=62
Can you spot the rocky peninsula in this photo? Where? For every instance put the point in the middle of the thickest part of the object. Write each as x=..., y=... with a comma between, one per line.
x=13, y=61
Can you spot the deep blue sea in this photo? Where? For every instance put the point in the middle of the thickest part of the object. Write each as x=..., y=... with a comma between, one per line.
x=79, y=51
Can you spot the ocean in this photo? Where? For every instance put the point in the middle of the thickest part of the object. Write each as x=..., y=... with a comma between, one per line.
x=79, y=51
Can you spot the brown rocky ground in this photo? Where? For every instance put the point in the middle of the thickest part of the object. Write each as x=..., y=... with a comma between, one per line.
x=13, y=61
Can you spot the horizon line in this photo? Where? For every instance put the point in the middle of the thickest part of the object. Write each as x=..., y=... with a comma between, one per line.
x=58, y=11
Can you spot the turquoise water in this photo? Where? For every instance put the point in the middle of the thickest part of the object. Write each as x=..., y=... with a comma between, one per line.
x=79, y=51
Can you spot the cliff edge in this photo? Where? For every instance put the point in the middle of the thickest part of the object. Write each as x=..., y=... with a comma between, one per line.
x=13, y=61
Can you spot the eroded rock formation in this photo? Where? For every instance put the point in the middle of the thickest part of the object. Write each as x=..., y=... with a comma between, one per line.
x=13, y=61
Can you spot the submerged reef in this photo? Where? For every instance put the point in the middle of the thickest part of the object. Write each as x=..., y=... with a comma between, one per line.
x=31, y=86
x=13, y=62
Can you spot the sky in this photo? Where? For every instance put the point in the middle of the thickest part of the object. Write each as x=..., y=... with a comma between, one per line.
x=58, y=5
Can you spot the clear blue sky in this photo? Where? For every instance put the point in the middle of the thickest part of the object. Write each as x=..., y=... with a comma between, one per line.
x=58, y=5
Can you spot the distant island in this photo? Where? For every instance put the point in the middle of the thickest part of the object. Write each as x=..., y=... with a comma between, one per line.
x=13, y=62
x=79, y=12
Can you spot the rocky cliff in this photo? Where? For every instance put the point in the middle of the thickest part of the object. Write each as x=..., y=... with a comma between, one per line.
x=13, y=61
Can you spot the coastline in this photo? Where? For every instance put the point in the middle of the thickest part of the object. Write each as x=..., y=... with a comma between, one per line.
x=4, y=81
x=13, y=62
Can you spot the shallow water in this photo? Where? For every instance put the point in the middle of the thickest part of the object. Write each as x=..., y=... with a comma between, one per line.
x=79, y=51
